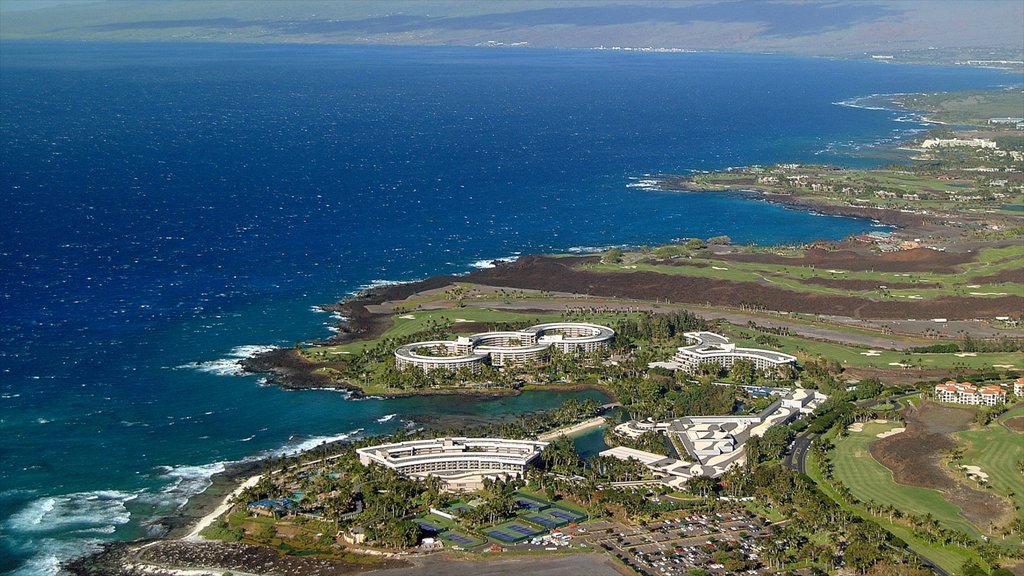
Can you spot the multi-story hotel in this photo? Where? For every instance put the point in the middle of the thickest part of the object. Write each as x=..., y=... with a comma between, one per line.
x=967, y=393
x=504, y=348
x=711, y=348
x=462, y=463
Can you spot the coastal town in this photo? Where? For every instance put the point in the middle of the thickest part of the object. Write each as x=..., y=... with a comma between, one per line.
x=852, y=405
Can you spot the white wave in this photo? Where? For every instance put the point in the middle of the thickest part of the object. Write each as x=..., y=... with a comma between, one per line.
x=386, y=418
x=247, y=438
x=80, y=510
x=596, y=249
x=187, y=481
x=51, y=553
x=482, y=264
x=232, y=364
x=317, y=309
x=381, y=283
x=308, y=444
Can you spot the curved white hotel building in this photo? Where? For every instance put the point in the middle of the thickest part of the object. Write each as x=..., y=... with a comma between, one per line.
x=708, y=348
x=504, y=348
x=462, y=463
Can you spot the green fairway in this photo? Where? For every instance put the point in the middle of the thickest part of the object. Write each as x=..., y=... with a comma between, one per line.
x=851, y=356
x=869, y=481
x=997, y=450
x=794, y=277
x=948, y=557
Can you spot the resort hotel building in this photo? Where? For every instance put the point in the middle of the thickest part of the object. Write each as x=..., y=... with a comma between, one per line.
x=504, y=348
x=710, y=445
x=967, y=393
x=711, y=348
x=461, y=463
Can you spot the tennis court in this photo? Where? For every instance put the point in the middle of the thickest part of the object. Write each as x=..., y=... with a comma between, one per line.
x=513, y=531
x=545, y=520
x=460, y=539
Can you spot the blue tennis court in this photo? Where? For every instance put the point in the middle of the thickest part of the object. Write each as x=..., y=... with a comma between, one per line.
x=428, y=527
x=460, y=539
x=545, y=521
x=530, y=504
x=563, y=514
x=503, y=536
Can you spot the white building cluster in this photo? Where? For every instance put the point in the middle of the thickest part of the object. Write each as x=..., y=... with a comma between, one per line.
x=461, y=463
x=504, y=348
x=711, y=348
x=954, y=142
x=967, y=393
x=713, y=443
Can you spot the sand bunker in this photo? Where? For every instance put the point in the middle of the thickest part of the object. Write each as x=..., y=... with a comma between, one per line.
x=974, y=472
x=856, y=427
x=965, y=354
x=1006, y=366
x=462, y=320
x=988, y=293
x=407, y=317
x=718, y=268
x=877, y=421
x=892, y=432
x=900, y=364
x=871, y=353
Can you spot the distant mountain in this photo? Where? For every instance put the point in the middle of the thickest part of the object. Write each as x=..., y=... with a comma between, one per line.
x=837, y=28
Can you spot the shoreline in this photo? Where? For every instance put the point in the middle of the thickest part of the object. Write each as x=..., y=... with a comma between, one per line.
x=573, y=429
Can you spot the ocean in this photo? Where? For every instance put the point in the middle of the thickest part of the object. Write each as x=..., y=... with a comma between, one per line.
x=171, y=208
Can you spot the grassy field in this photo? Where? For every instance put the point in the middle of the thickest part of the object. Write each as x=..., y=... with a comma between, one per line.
x=852, y=356
x=793, y=277
x=870, y=481
x=948, y=557
x=997, y=450
x=974, y=108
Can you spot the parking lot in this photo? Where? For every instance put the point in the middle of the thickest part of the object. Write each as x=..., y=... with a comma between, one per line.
x=717, y=543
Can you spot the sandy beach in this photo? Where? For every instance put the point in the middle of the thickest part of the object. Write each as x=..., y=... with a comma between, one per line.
x=568, y=430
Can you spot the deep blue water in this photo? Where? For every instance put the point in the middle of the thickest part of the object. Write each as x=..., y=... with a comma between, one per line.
x=164, y=205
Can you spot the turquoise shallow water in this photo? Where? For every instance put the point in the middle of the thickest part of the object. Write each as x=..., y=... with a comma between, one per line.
x=169, y=209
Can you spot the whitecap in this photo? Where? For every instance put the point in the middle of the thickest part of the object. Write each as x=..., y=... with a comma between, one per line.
x=309, y=444
x=491, y=263
x=232, y=364
x=380, y=284
x=386, y=418
x=80, y=510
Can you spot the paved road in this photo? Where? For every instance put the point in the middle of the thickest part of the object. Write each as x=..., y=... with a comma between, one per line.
x=796, y=460
x=797, y=457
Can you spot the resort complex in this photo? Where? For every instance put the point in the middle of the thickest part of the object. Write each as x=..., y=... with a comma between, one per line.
x=967, y=393
x=461, y=463
x=711, y=348
x=504, y=348
x=713, y=443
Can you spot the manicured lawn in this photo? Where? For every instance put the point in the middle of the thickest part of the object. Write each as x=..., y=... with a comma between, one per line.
x=870, y=481
x=997, y=450
x=949, y=557
x=854, y=356
x=791, y=277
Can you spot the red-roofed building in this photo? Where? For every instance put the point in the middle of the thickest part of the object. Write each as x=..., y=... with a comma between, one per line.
x=967, y=393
